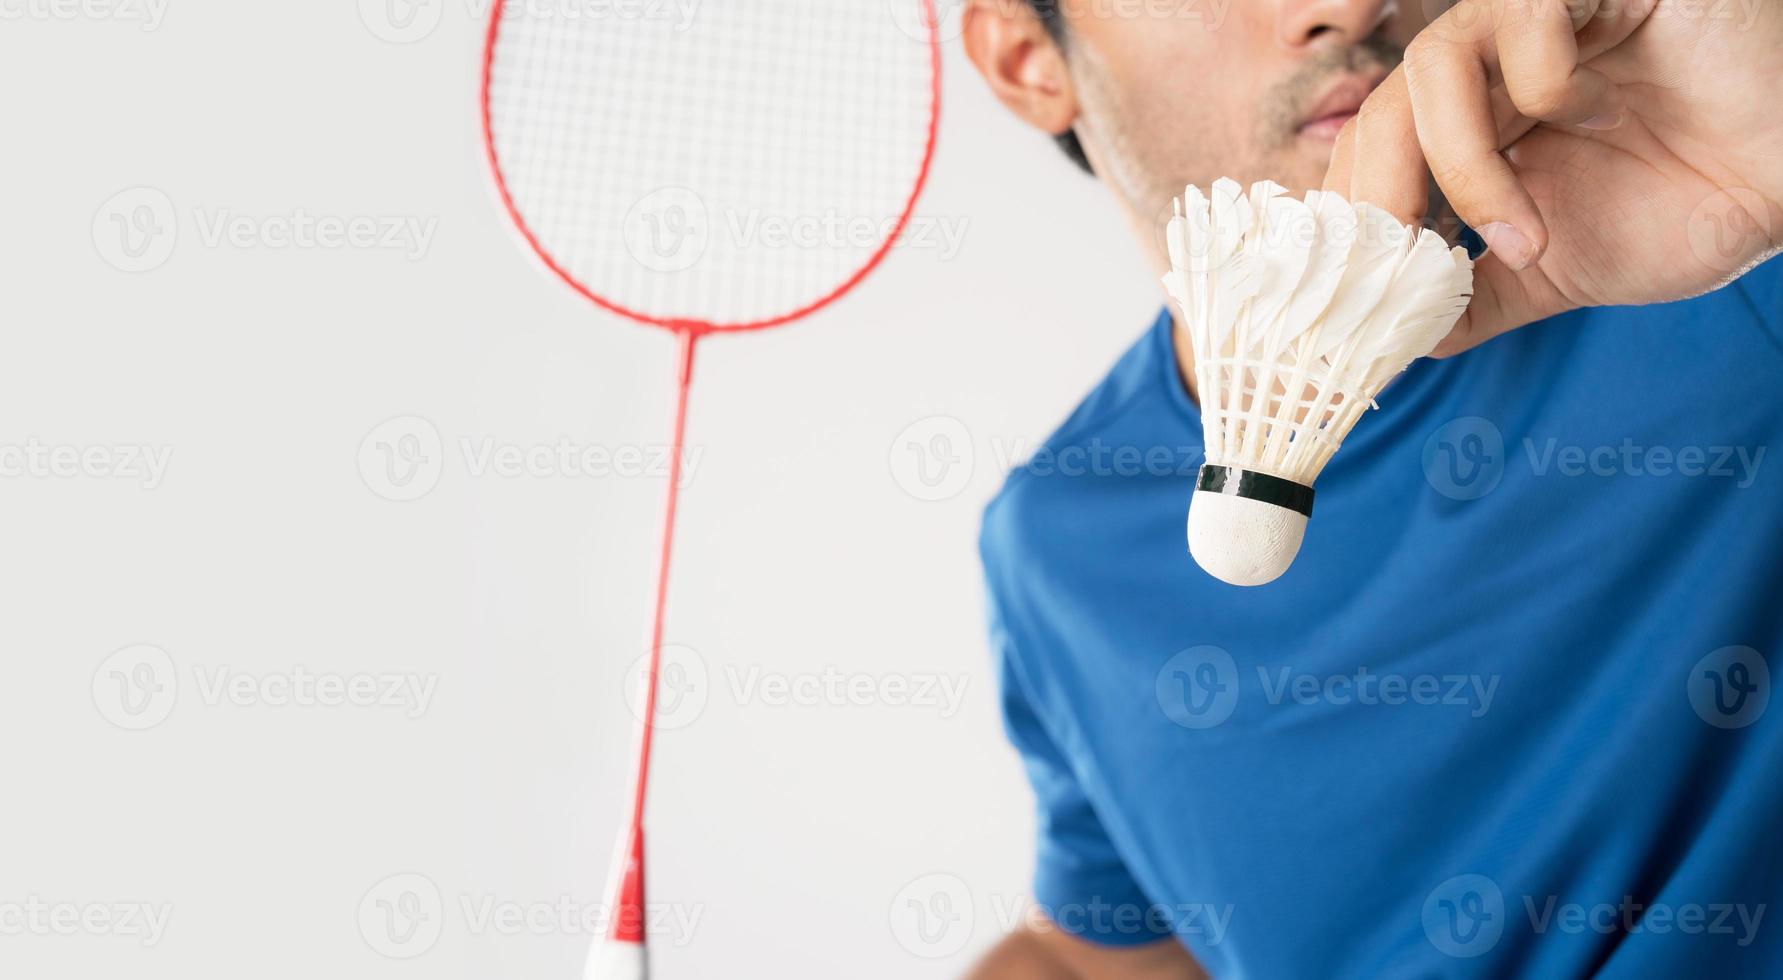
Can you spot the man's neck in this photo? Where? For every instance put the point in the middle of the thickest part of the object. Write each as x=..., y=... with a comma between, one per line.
x=1185, y=354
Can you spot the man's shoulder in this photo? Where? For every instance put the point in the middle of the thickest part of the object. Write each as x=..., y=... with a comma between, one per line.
x=1762, y=288
x=1124, y=427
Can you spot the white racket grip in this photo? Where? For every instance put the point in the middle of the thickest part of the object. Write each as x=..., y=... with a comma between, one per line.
x=610, y=959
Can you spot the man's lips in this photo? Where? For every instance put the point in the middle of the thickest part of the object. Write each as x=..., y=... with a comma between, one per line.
x=1326, y=128
x=1338, y=105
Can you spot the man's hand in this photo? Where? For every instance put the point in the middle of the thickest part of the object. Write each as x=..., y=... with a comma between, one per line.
x=1049, y=954
x=1608, y=151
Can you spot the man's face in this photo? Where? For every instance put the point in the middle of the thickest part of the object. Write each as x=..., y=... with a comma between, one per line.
x=1174, y=92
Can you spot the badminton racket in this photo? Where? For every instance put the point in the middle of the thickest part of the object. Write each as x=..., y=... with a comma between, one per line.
x=705, y=168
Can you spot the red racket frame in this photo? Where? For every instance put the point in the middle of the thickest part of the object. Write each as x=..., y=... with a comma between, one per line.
x=700, y=326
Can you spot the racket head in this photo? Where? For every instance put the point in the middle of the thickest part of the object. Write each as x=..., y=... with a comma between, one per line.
x=731, y=139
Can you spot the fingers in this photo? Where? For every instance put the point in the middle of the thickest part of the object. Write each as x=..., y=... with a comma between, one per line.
x=1452, y=112
x=1473, y=82
x=1503, y=300
x=1393, y=176
x=1343, y=161
x=1538, y=55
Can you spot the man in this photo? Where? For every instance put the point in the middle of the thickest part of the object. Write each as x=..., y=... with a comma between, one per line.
x=1506, y=714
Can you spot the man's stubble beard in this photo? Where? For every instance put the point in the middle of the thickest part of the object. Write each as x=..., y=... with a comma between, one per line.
x=1147, y=165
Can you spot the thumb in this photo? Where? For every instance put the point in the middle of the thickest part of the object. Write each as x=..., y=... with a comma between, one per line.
x=1503, y=299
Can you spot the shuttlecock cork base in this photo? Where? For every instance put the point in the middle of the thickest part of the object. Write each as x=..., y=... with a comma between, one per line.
x=1298, y=313
x=1244, y=527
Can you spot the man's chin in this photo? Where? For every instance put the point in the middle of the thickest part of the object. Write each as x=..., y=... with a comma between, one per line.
x=1304, y=168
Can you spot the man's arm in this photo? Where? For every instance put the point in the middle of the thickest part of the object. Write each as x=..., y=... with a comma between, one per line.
x=1050, y=954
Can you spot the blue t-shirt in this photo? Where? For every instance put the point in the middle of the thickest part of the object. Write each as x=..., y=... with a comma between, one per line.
x=1506, y=715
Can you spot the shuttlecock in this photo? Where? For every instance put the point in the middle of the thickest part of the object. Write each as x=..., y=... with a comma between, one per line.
x=1298, y=313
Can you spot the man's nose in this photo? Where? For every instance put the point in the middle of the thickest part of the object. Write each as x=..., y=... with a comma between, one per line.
x=1303, y=22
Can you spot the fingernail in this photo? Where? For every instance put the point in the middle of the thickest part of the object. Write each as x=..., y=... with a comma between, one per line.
x=1507, y=243
x=1603, y=120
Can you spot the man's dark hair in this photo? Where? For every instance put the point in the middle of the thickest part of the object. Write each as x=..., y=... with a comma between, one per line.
x=1049, y=13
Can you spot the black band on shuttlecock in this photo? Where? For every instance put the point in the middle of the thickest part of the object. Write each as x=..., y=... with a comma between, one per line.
x=1250, y=484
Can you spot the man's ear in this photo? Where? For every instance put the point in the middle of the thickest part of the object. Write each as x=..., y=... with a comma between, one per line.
x=1017, y=57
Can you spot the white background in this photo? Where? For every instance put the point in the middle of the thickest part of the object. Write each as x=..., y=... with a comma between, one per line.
x=797, y=834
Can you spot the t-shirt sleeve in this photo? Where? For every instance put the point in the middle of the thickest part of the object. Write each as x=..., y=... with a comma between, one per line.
x=1079, y=880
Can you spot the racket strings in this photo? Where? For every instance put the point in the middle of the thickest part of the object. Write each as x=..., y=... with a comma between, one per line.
x=735, y=170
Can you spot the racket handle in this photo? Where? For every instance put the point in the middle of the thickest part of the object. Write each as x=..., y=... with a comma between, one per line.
x=621, y=953
x=609, y=960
